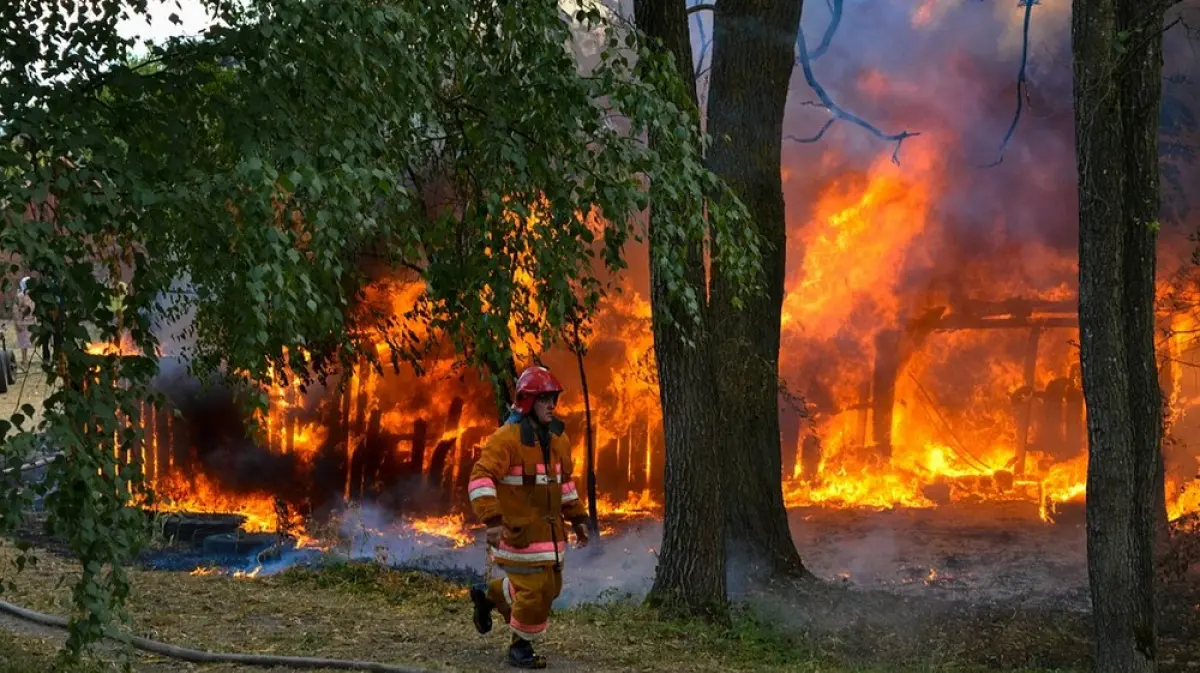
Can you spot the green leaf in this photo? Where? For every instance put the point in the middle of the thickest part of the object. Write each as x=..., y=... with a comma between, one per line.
x=265, y=180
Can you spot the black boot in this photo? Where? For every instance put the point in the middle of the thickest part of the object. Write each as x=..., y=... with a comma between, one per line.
x=483, y=608
x=521, y=655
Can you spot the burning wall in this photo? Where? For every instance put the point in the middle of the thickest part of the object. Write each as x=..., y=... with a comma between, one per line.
x=928, y=322
x=943, y=287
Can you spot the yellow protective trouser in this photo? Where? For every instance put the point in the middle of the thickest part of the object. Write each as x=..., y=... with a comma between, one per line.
x=524, y=596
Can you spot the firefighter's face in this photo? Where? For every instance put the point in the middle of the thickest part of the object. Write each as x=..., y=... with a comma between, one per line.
x=543, y=408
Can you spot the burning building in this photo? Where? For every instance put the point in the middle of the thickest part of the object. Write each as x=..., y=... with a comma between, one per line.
x=929, y=332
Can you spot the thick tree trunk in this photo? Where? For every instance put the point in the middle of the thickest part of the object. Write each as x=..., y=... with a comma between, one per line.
x=753, y=57
x=691, y=565
x=1118, y=66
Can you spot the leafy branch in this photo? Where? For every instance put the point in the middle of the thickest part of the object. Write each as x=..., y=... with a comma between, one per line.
x=247, y=173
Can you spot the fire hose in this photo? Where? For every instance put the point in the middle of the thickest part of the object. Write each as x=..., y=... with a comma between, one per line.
x=204, y=657
x=32, y=466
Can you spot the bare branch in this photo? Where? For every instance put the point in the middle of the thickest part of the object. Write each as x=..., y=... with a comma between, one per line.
x=1022, y=86
x=836, y=111
x=702, y=7
x=815, y=137
x=705, y=45
x=835, y=19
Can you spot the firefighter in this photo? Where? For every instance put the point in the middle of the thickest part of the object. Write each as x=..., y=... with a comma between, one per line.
x=521, y=488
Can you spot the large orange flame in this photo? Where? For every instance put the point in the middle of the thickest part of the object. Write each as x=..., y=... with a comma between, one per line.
x=914, y=378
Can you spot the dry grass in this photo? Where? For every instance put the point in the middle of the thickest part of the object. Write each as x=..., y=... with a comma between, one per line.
x=367, y=612
x=360, y=611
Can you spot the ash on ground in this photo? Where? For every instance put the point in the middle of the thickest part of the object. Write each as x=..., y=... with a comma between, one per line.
x=989, y=553
x=986, y=553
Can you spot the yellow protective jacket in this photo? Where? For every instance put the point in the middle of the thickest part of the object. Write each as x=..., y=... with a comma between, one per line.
x=527, y=488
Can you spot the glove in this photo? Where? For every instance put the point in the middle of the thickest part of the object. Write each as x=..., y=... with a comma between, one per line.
x=493, y=535
x=581, y=535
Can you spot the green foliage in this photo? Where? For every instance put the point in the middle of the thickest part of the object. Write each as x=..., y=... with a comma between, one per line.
x=246, y=175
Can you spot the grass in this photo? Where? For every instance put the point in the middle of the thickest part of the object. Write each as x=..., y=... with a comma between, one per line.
x=361, y=611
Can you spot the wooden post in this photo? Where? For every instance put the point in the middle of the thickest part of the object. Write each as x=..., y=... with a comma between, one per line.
x=864, y=412
x=810, y=459
x=370, y=462
x=639, y=448
x=887, y=368
x=1025, y=413
x=624, y=446
x=606, y=468
x=471, y=438
x=290, y=421
x=417, y=461
x=1052, y=433
x=165, y=441
x=1075, y=421
x=360, y=412
x=439, y=477
x=658, y=460
x=790, y=421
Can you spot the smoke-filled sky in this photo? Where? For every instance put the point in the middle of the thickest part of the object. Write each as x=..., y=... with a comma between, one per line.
x=942, y=221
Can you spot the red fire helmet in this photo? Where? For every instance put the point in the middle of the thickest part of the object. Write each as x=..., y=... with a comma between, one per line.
x=534, y=381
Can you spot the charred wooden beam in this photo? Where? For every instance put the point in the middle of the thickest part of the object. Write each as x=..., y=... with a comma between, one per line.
x=790, y=420
x=181, y=448
x=1052, y=433
x=147, y=445
x=639, y=448
x=864, y=412
x=468, y=449
x=290, y=422
x=1075, y=421
x=887, y=368
x=658, y=458
x=621, y=481
x=607, y=472
x=342, y=428
x=370, y=456
x=435, y=477
x=165, y=441
x=438, y=477
x=810, y=459
x=361, y=401
x=454, y=428
x=1017, y=307
x=418, y=438
x=469, y=444
x=956, y=321
x=1025, y=411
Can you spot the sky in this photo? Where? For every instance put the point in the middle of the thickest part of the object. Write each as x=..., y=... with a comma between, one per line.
x=191, y=13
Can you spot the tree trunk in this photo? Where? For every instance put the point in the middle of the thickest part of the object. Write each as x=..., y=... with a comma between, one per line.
x=753, y=57
x=1118, y=66
x=690, y=577
x=589, y=439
